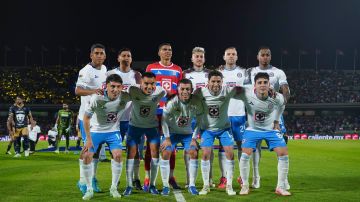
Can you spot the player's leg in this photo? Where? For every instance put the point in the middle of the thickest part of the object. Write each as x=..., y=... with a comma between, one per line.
x=277, y=143
x=165, y=164
x=67, y=141
x=25, y=135
x=207, y=141
x=95, y=162
x=147, y=161
x=17, y=143
x=250, y=138
x=114, y=141
x=81, y=184
x=286, y=138
x=256, y=163
x=192, y=163
x=222, y=162
x=132, y=142
x=9, y=145
x=172, y=179
x=226, y=140
x=61, y=132
x=237, y=130
x=154, y=142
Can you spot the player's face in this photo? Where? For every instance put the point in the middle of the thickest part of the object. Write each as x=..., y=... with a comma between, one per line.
x=264, y=57
x=114, y=89
x=148, y=85
x=98, y=56
x=184, y=91
x=230, y=57
x=65, y=106
x=125, y=58
x=215, y=83
x=262, y=85
x=165, y=52
x=198, y=60
x=19, y=101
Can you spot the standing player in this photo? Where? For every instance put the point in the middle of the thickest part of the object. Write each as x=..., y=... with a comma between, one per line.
x=233, y=76
x=198, y=75
x=63, y=125
x=19, y=117
x=144, y=121
x=11, y=129
x=176, y=124
x=264, y=108
x=90, y=81
x=168, y=76
x=130, y=77
x=103, y=113
x=277, y=82
x=216, y=124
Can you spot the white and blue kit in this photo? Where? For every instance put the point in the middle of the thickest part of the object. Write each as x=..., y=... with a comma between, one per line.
x=261, y=117
x=236, y=112
x=143, y=115
x=105, y=120
x=176, y=121
x=89, y=78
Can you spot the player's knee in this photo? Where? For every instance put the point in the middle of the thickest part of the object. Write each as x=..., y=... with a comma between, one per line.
x=166, y=154
x=117, y=156
x=193, y=153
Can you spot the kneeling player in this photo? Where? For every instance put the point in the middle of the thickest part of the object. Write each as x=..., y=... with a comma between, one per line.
x=104, y=113
x=176, y=126
x=263, y=111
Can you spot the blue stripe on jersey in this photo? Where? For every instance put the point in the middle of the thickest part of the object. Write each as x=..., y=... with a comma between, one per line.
x=165, y=72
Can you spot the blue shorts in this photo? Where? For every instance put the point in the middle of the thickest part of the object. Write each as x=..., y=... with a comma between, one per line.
x=135, y=134
x=82, y=130
x=112, y=139
x=237, y=126
x=185, y=140
x=208, y=137
x=282, y=125
x=273, y=138
x=124, y=125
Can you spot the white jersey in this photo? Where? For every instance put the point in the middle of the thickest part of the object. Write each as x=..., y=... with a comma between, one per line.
x=277, y=76
x=129, y=79
x=215, y=115
x=261, y=113
x=199, y=79
x=232, y=78
x=33, y=132
x=143, y=112
x=105, y=114
x=178, y=115
x=89, y=78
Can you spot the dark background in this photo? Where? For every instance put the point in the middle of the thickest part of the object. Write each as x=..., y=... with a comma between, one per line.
x=72, y=26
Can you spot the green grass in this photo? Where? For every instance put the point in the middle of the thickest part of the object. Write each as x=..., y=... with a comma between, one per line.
x=319, y=171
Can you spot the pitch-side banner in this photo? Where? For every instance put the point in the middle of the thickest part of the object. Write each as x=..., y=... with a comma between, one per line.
x=304, y=136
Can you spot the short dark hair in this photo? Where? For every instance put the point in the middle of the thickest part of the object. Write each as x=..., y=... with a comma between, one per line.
x=263, y=75
x=186, y=81
x=20, y=96
x=115, y=78
x=215, y=73
x=163, y=44
x=263, y=48
x=231, y=47
x=97, y=45
x=148, y=75
x=124, y=49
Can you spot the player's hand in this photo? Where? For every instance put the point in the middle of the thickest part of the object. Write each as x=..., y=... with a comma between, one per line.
x=272, y=93
x=221, y=68
x=165, y=144
x=99, y=91
x=194, y=144
x=88, y=145
x=276, y=125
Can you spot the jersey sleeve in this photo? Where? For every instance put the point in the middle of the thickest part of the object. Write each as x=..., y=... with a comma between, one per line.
x=90, y=108
x=282, y=78
x=83, y=79
x=167, y=111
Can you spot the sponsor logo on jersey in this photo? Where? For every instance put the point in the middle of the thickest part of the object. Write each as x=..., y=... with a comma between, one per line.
x=166, y=84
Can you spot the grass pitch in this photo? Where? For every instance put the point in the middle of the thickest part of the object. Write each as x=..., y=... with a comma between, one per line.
x=320, y=170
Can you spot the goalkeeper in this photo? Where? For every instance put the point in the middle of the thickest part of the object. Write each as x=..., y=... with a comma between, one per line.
x=63, y=126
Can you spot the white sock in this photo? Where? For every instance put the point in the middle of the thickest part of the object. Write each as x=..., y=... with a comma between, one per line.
x=116, y=169
x=82, y=178
x=283, y=169
x=186, y=160
x=165, y=170
x=193, y=167
x=129, y=172
x=102, y=154
x=229, y=171
x=245, y=168
x=87, y=170
x=239, y=158
x=222, y=162
x=211, y=165
x=256, y=161
x=205, y=169
x=95, y=165
x=136, y=169
x=154, y=168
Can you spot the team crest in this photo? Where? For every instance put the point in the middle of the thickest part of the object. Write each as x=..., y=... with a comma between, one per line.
x=144, y=111
x=214, y=111
x=239, y=75
x=166, y=84
x=111, y=117
x=270, y=106
x=183, y=121
x=260, y=116
x=271, y=74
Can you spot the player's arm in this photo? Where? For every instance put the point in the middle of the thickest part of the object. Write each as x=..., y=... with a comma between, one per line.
x=57, y=120
x=31, y=119
x=165, y=129
x=286, y=92
x=84, y=92
x=10, y=124
x=70, y=122
x=137, y=77
x=89, y=111
x=279, y=110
